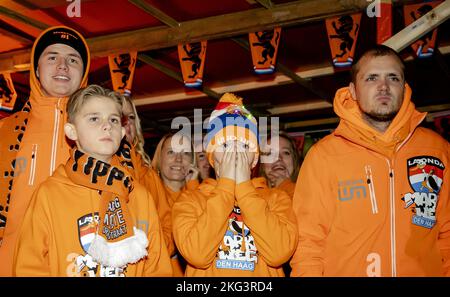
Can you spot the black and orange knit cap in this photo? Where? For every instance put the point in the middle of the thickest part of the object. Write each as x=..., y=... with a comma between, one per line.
x=62, y=35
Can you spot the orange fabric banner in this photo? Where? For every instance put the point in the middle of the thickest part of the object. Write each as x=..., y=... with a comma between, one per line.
x=384, y=21
x=424, y=47
x=264, y=48
x=192, y=61
x=122, y=67
x=8, y=94
x=342, y=36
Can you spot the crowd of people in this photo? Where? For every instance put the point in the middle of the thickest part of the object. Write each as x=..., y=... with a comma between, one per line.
x=81, y=197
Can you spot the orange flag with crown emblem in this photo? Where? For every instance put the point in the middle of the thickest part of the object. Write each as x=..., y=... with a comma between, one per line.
x=192, y=61
x=342, y=36
x=424, y=47
x=8, y=94
x=264, y=49
x=121, y=67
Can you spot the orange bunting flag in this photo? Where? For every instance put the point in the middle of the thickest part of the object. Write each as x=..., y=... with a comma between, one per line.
x=264, y=48
x=424, y=47
x=8, y=94
x=342, y=35
x=122, y=67
x=192, y=62
x=384, y=21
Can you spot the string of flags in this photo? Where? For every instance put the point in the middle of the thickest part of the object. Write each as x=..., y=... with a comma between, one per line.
x=342, y=32
x=8, y=94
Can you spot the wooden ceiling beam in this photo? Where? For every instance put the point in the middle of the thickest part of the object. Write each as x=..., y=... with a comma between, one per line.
x=175, y=75
x=420, y=27
x=286, y=71
x=41, y=4
x=10, y=31
x=237, y=86
x=266, y=3
x=215, y=27
x=22, y=18
x=161, y=16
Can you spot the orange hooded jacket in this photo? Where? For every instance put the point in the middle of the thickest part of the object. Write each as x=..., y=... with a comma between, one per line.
x=224, y=229
x=172, y=197
x=374, y=204
x=36, y=153
x=55, y=229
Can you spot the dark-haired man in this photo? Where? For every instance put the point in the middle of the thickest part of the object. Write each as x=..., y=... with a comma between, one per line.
x=359, y=200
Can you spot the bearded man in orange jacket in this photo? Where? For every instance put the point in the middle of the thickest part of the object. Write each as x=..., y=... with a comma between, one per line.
x=33, y=143
x=359, y=200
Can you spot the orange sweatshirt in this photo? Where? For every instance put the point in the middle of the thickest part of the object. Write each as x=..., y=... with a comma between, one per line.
x=224, y=229
x=42, y=148
x=172, y=197
x=149, y=178
x=288, y=186
x=55, y=228
x=381, y=207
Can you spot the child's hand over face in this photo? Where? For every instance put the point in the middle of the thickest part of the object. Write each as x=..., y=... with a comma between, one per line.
x=243, y=168
x=227, y=166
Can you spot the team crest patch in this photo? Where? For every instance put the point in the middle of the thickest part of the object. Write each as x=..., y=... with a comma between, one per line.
x=87, y=226
x=425, y=176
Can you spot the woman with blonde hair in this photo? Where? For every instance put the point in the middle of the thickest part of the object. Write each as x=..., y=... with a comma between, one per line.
x=282, y=170
x=174, y=161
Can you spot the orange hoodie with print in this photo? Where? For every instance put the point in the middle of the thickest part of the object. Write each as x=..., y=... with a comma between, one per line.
x=36, y=153
x=381, y=206
x=224, y=229
x=56, y=231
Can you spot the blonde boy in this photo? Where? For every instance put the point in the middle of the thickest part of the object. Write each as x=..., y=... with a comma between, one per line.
x=90, y=218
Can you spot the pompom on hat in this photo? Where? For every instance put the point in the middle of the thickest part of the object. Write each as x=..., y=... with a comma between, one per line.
x=230, y=120
x=64, y=35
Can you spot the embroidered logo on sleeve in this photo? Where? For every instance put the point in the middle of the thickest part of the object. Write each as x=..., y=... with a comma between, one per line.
x=425, y=175
x=238, y=249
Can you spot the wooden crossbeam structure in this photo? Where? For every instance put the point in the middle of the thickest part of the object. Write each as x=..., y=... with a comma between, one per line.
x=175, y=75
x=223, y=26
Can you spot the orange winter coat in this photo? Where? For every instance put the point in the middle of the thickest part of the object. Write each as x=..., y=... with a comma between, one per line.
x=224, y=229
x=374, y=204
x=55, y=228
x=42, y=148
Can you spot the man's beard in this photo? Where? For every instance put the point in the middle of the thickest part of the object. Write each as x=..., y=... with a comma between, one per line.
x=388, y=117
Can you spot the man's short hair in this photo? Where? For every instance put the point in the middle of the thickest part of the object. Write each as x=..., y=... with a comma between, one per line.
x=77, y=99
x=377, y=51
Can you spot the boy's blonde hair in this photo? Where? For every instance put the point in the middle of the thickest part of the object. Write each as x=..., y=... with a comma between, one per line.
x=78, y=98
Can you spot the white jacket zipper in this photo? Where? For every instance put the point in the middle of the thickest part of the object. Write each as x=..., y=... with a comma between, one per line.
x=392, y=220
x=55, y=139
x=370, y=183
x=34, y=151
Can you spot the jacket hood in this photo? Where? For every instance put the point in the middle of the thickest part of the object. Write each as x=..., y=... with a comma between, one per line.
x=354, y=128
x=35, y=85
